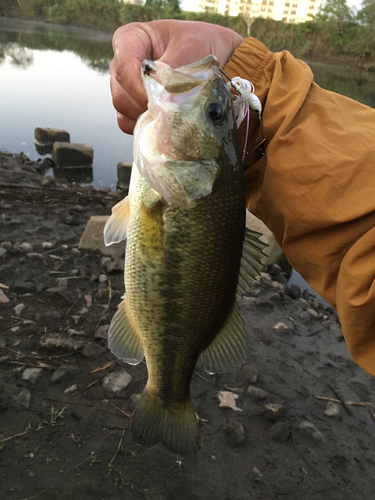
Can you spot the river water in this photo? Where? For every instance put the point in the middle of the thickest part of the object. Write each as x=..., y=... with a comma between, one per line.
x=58, y=77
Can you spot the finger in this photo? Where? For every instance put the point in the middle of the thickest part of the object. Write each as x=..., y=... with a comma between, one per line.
x=131, y=45
x=124, y=102
x=126, y=124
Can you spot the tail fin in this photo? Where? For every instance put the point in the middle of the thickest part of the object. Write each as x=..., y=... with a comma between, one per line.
x=174, y=426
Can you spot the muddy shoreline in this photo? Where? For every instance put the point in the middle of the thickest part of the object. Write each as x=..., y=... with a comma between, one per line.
x=64, y=423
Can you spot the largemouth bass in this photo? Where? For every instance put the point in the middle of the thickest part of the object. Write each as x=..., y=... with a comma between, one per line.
x=187, y=253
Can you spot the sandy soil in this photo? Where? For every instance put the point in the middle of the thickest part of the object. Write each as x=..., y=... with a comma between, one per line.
x=64, y=432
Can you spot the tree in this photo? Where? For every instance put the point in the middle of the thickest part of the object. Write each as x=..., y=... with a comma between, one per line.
x=336, y=10
x=367, y=15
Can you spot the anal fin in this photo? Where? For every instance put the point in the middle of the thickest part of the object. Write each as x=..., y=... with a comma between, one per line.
x=123, y=339
x=228, y=350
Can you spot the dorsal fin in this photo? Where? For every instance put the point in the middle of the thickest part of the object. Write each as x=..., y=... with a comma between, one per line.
x=116, y=227
x=123, y=339
x=228, y=349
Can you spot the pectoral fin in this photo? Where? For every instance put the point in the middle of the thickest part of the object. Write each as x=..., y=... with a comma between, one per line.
x=123, y=339
x=116, y=226
x=228, y=350
x=151, y=239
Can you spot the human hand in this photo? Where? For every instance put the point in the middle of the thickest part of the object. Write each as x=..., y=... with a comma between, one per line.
x=176, y=43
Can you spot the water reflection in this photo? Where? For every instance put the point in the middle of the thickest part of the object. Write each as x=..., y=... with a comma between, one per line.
x=93, y=47
x=54, y=77
x=351, y=82
x=57, y=77
x=17, y=56
x=81, y=175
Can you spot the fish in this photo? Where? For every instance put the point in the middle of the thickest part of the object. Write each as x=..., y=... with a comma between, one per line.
x=188, y=256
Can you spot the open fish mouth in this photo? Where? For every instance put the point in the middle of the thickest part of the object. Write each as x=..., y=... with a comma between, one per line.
x=176, y=142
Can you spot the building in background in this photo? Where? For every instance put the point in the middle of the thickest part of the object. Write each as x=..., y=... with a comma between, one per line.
x=290, y=11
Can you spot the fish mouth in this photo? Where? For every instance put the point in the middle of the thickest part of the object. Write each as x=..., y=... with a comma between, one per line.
x=181, y=79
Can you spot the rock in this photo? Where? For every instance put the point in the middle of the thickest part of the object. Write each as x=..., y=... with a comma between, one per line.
x=4, y=359
x=235, y=433
x=275, y=271
x=92, y=350
x=256, y=392
x=35, y=256
x=66, y=154
x=250, y=373
x=62, y=282
x=307, y=429
x=312, y=312
x=23, y=287
x=72, y=220
x=117, y=381
x=75, y=333
x=72, y=388
x=53, y=340
x=295, y=292
x=273, y=412
x=101, y=332
x=31, y=374
x=22, y=400
x=25, y=247
x=3, y=251
x=102, y=278
x=124, y=170
x=280, y=432
x=47, y=245
x=59, y=375
x=103, y=295
x=61, y=293
x=264, y=305
x=47, y=136
x=115, y=266
x=18, y=309
x=92, y=238
x=284, y=327
x=134, y=398
x=7, y=245
x=333, y=410
x=3, y=298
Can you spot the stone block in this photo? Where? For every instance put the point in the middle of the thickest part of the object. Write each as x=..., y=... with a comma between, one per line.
x=66, y=154
x=92, y=238
x=124, y=170
x=46, y=136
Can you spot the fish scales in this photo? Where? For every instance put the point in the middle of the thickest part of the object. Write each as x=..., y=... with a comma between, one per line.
x=184, y=220
x=190, y=288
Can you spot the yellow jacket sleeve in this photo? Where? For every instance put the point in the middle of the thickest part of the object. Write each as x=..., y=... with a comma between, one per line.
x=315, y=187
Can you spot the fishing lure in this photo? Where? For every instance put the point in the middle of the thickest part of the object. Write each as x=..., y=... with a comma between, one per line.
x=244, y=101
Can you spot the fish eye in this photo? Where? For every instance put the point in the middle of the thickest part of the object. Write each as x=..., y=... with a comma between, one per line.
x=214, y=111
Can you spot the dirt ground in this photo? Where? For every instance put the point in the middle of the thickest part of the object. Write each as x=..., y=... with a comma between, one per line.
x=64, y=425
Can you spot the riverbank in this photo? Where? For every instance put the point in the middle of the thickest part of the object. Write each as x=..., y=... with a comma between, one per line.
x=64, y=420
x=323, y=38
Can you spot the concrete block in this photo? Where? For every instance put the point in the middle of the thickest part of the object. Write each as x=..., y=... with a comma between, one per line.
x=45, y=136
x=66, y=154
x=124, y=170
x=92, y=238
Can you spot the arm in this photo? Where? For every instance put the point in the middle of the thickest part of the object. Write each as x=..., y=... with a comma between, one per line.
x=315, y=189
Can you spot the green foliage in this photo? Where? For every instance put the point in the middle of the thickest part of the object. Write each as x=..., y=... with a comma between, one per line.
x=335, y=32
